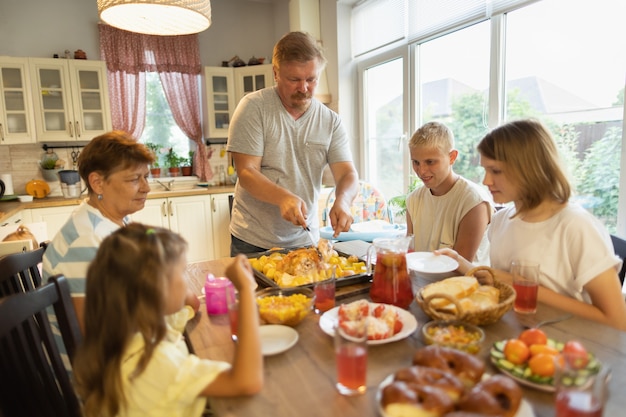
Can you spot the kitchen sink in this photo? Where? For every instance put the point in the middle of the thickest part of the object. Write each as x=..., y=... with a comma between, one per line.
x=173, y=183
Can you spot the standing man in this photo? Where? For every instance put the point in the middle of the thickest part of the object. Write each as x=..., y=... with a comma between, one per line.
x=281, y=138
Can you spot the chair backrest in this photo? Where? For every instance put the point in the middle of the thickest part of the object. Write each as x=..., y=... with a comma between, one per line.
x=19, y=272
x=619, y=246
x=34, y=380
x=369, y=204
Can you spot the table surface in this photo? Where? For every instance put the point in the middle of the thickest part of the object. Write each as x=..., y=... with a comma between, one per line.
x=301, y=381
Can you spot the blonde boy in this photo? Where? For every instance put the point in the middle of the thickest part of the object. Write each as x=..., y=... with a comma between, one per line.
x=448, y=211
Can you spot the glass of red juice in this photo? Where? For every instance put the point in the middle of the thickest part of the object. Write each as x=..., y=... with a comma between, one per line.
x=325, y=294
x=526, y=284
x=579, y=393
x=351, y=358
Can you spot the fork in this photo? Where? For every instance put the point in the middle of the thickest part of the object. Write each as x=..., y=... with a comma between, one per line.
x=308, y=230
x=550, y=321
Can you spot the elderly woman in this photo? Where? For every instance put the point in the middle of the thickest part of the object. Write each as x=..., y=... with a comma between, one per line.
x=115, y=169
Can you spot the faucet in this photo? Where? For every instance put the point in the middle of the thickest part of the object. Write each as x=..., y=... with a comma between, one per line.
x=167, y=187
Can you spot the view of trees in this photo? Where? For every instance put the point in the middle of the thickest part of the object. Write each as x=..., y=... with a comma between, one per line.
x=594, y=168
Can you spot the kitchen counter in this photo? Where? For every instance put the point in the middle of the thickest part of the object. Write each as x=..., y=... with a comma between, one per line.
x=9, y=208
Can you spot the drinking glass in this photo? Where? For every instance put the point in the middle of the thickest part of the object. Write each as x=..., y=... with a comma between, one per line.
x=216, y=290
x=325, y=293
x=233, y=314
x=351, y=358
x=579, y=393
x=526, y=283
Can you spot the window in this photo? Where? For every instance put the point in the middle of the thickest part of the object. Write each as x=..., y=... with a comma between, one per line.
x=573, y=80
x=556, y=60
x=160, y=128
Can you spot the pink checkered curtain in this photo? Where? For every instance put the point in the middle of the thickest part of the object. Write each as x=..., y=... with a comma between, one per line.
x=123, y=53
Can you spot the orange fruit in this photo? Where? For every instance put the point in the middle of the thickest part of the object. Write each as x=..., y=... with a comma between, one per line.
x=533, y=337
x=516, y=351
x=537, y=349
x=542, y=364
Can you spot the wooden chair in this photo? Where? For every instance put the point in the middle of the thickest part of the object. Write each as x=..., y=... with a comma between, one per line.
x=19, y=272
x=619, y=246
x=34, y=380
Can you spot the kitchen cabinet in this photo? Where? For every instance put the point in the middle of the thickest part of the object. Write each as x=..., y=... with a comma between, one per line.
x=54, y=217
x=189, y=216
x=70, y=98
x=220, y=96
x=220, y=210
x=16, y=108
x=224, y=87
x=252, y=78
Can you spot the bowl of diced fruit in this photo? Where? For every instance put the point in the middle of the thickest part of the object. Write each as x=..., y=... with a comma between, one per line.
x=286, y=306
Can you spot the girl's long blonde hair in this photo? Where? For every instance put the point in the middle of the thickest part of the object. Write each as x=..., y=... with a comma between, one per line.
x=125, y=295
x=532, y=162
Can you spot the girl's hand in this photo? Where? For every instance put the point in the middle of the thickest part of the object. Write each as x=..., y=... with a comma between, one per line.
x=240, y=273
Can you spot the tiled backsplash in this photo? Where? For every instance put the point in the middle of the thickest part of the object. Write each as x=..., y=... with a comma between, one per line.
x=22, y=162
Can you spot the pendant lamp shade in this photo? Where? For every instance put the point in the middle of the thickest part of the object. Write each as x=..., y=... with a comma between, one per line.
x=157, y=17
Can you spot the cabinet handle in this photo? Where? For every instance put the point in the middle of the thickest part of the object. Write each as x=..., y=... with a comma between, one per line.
x=69, y=124
x=1, y=132
x=213, y=204
x=171, y=210
x=163, y=210
x=77, y=130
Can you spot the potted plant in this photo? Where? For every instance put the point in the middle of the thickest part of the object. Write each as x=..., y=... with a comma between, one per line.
x=173, y=162
x=155, y=168
x=187, y=165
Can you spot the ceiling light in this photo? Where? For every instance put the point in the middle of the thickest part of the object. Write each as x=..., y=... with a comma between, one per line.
x=157, y=17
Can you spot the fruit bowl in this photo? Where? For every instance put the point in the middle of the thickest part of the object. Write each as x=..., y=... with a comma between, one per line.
x=286, y=306
x=454, y=334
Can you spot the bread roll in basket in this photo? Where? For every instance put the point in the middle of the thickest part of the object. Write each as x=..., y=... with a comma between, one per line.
x=463, y=300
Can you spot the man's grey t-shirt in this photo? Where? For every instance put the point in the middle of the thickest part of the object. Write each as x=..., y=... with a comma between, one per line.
x=294, y=154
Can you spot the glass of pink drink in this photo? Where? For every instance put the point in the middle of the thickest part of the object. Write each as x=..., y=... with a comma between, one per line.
x=325, y=294
x=525, y=283
x=351, y=358
x=579, y=394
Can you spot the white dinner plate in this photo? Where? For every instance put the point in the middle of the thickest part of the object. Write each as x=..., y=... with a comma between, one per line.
x=276, y=338
x=524, y=410
x=391, y=230
x=428, y=262
x=329, y=320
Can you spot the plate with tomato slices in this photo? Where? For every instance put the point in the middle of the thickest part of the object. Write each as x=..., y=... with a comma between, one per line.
x=522, y=372
x=405, y=324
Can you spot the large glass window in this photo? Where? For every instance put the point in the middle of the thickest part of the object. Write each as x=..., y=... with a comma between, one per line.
x=565, y=64
x=385, y=134
x=453, y=73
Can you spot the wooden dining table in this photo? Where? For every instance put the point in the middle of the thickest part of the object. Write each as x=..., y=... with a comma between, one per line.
x=301, y=380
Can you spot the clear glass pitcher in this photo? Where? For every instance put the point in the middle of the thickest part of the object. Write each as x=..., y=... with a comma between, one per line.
x=391, y=283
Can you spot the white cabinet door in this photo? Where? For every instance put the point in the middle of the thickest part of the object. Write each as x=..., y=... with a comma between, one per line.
x=155, y=213
x=191, y=217
x=70, y=98
x=220, y=96
x=252, y=78
x=16, y=109
x=220, y=208
x=54, y=217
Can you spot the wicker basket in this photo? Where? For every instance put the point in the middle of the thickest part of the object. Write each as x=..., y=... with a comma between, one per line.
x=480, y=318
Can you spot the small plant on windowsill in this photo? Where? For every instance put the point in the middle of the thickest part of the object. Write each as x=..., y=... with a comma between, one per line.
x=399, y=202
x=157, y=151
x=173, y=162
x=187, y=164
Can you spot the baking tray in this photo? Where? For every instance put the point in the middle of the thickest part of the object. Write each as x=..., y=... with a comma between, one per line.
x=264, y=281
